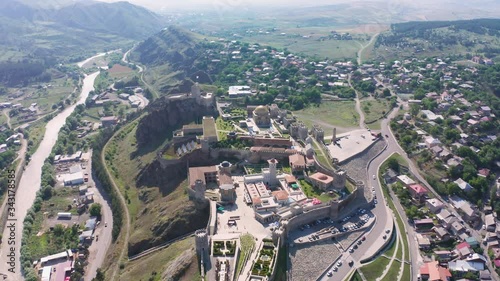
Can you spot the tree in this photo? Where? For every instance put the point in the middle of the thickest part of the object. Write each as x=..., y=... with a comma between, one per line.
x=393, y=164
x=99, y=275
x=95, y=210
x=414, y=109
x=58, y=230
x=387, y=93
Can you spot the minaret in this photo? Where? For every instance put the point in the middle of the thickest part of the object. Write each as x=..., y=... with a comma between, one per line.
x=334, y=137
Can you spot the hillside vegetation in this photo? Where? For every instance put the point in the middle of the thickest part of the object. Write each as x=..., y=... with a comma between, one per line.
x=159, y=207
x=35, y=38
x=463, y=38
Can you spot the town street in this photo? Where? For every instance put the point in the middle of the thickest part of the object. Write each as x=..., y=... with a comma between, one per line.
x=29, y=184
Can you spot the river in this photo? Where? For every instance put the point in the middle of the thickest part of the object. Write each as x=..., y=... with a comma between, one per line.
x=82, y=63
x=30, y=183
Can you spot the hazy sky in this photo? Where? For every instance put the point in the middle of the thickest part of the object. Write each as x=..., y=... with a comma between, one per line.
x=233, y=4
x=404, y=10
x=169, y=5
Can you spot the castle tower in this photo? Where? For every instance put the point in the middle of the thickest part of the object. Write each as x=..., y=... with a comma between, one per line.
x=339, y=180
x=272, y=170
x=334, y=137
x=196, y=91
x=199, y=189
x=202, y=245
x=201, y=240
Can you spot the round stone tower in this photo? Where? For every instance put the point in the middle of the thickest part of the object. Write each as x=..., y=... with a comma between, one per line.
x=201, y=241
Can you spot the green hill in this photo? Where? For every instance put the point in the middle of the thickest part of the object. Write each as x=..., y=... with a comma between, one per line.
x=460, y=39
x=170, y=57
x=34, y=34
x=120, y=18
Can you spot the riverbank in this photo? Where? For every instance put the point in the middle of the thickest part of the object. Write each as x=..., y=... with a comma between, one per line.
x=29, y=184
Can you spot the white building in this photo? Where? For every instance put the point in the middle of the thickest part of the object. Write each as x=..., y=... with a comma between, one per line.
x=239, y=91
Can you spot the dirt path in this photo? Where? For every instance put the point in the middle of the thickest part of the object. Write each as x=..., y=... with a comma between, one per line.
x=126, y=225
x=358, y=105
x=6, y=113
x=363, y=47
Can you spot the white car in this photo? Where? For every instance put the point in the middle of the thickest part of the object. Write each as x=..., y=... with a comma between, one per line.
x=373, y=188
x=339, y=264
x=374, y=177
x=351, y=250
x=329, y=274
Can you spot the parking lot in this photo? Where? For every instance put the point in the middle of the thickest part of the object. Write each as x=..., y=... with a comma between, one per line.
x=327, y=228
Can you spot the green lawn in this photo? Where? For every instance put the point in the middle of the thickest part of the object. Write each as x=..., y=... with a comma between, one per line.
x=314, y=192
x=406, y=273
x=247, y=242
x=356, y=277
x=392, y=274
x=375, y=269
x=333, y=113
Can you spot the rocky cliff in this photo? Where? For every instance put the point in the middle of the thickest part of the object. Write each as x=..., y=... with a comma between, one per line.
x=166, y=115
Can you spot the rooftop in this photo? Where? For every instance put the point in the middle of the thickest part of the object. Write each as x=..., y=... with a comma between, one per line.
x=326, y=179
x=198, y=173
x=209, y=129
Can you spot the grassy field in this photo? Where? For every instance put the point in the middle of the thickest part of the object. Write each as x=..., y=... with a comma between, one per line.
x=330, y=114
x=356, y=276
x=124, y=169
x=59, y=91
x=406, y=273
x=312, y=46
x=392, y=274
x=368, y=52
x=374, y=110
x=374, y=269
x=120, y=72
x=36, y=131
x=153, y=266
x=430, y=49
x=43, y=242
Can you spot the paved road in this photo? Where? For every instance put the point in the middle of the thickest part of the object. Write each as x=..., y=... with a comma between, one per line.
x=381, y=211
x=99, y=247
x=29, y=183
